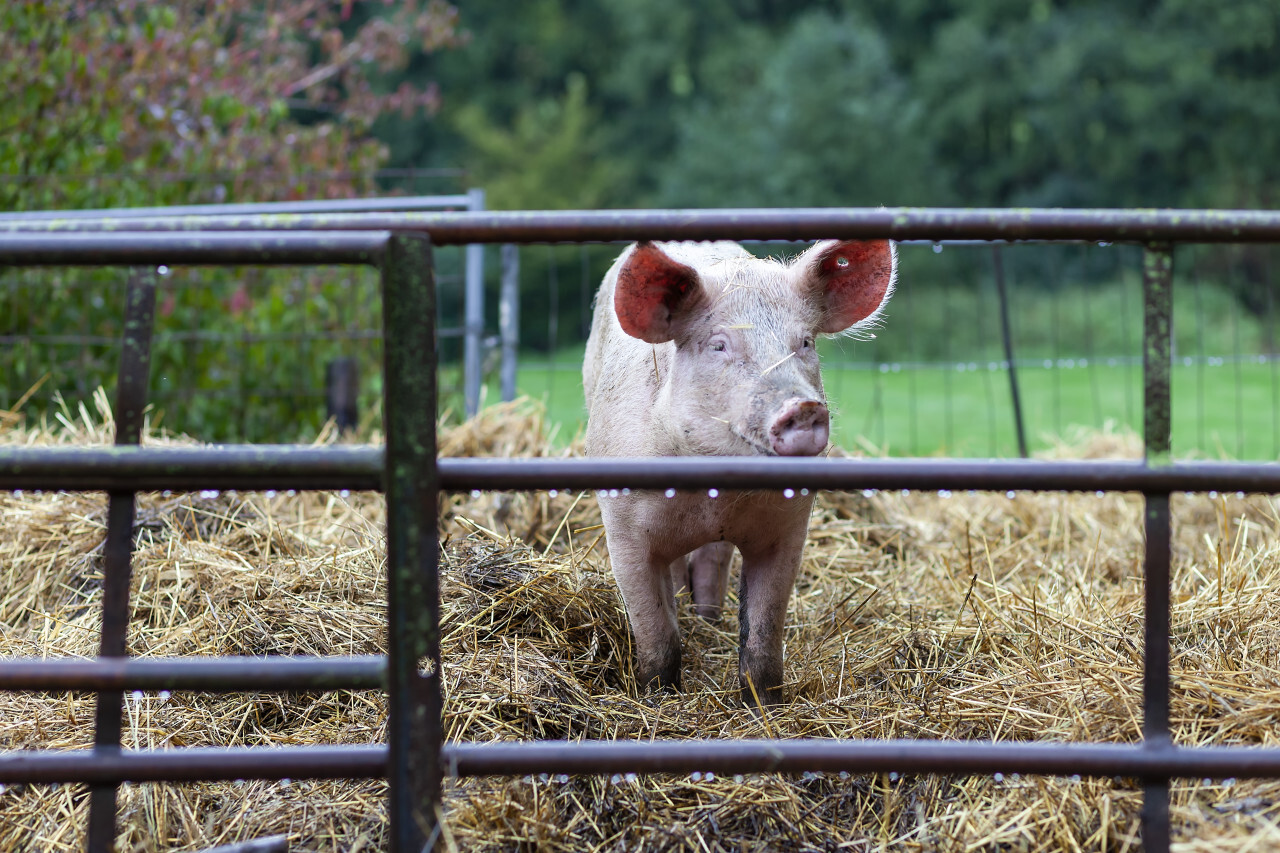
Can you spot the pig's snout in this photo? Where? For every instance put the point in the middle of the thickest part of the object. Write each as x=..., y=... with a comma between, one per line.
x=801, y=428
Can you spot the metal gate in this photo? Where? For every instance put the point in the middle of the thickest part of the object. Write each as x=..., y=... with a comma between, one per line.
x=471, y=329
x=415, y=759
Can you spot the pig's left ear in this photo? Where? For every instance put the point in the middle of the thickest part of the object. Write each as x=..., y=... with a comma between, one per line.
x=851, y=279
x=653, y=292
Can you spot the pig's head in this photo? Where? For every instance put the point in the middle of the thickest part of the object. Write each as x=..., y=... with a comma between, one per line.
x=744, y=375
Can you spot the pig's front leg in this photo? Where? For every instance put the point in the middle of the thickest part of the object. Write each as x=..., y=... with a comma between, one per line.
x=645, y=583
x=706, y=573
x=768, y=576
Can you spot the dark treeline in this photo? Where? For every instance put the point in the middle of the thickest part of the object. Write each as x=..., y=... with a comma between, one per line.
x=725, y=103
x=569, y=103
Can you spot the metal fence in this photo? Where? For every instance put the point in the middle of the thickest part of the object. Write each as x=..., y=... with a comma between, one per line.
x=87, y=350
x=992, y=350
x=415, y=759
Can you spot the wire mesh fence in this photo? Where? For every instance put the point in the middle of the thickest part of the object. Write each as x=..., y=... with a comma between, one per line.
x=241, y=353
x=935, y=379
x=248, y=354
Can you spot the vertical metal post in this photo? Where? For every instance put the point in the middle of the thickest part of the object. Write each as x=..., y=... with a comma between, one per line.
x=342, y=392
x=1157, y=358
x=997, y=260
x=413, y=606
x=1271, y=358
x=473, y=343
x=131, y=401
x=1155, y=685
x=509, y=318
x=1157, y=287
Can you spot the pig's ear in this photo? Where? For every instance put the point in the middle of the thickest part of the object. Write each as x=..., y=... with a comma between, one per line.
x=652, y=291
x=851, y=279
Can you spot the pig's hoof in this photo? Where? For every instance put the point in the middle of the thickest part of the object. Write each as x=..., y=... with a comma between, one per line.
x=755, y=696
x=710, y=612
x=664, y=676
x=758, y=700
x=658, y=684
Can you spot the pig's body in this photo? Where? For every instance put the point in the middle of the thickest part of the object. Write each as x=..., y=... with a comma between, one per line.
x=702, y=349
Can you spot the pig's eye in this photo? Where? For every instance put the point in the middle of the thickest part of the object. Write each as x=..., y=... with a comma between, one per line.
x=808, y=343
x=717, y=346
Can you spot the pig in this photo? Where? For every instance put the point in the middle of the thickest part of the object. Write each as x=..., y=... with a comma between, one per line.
x=702, y=349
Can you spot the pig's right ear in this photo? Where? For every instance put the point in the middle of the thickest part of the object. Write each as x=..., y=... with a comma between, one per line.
x=852, y=279
x=651, y=292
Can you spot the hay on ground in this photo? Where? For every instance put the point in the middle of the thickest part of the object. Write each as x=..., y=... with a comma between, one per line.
x=920, y=615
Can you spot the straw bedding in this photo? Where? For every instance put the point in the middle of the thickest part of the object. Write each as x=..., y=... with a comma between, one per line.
x=918, y=615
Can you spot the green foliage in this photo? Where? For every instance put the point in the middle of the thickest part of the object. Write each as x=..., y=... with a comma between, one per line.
x=769, y=141
x=524, y=166
x=136, y=103
x=1167, y=102
x=258, y=342
x=186, y=89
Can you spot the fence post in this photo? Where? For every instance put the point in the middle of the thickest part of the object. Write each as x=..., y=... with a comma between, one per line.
x=413, y=606
x=342, y=392
x=473, y=344
x=509, y=318
x=997, y=260
x=1157, y=329
x=117, y=553
x=1157, y=352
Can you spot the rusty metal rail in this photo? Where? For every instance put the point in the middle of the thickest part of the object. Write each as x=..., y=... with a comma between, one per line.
x=229, y=248
x=195, y=764
x=292, y=208
x=725, y=757
x=579, y=226
x=414, y=759
x=229, y=674
x=260, y=467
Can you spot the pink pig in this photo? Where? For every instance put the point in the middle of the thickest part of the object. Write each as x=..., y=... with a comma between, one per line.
x=702, y=349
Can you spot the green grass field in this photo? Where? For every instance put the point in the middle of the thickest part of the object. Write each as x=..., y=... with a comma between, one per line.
x=1223, y=410
x=1057, y=308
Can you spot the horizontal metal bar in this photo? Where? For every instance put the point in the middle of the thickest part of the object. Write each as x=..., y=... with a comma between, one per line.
x=867, y=756
x=194, y=673
x=749, y=472
x=597, y=757
x=339, y=205
x=144, y=469
x=121, y=248
x=264, y=466
x=194, y=764
x=1106, y=225
x=208, y=336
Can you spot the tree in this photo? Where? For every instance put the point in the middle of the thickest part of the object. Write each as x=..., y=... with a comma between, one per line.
x=552, y=156
x=130, y=103
x=133, y=88
x=823, y=119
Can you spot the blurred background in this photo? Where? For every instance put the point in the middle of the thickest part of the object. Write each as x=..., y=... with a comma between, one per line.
x=655, y=103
